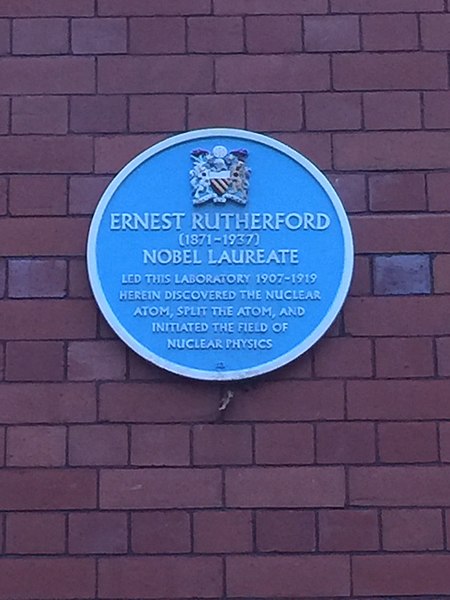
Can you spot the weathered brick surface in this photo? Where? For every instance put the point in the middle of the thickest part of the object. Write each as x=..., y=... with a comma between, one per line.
x=326, y=478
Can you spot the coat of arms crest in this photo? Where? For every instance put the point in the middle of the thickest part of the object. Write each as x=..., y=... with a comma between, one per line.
x=219, y=175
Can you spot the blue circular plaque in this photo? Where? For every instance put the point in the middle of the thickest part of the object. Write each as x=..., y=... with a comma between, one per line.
x=220, y=254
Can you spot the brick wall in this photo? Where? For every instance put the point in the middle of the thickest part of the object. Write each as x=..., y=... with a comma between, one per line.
x=327, y=478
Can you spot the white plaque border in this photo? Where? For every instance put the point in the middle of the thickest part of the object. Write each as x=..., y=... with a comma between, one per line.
x=225, y=375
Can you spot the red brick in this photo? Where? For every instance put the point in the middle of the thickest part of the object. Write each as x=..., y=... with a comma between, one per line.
x=294, y=576
x=49, y=195
x=47, y=75
x=391, y=150
x=401, y=233
x=379, y=112
x=345, y=443
x=285, y=531
x=5, y=37
x=389, y=71
x=348, y=530
x=157, y=113
x=362, y=277
x=399, y=486
x=160, y=488
x=441, y=271
x=156, y=7
x=157, y=577
x=269, y=34
x=158, y=402
x=386, y=6
x=444, y=438
x=99, y=36
x=404, y=357
x=157, y=35
x=114, y=152
x=222, y=444
x=314, y=146
x=34, y=361
x=98, y=445
x=98, y=114
x=47, y=319
x=443, y=354
x=36, y=446
x=435, y=31
x=408, y=442
x=4, y=114
x=399, y=400
x=142, y=370
x=160, y=445
x=285, y=487
x=438, y=197
x=331, y=33
x=300, y=368
x=51, y=154
x=418, y=574
x=267, y=7
x=35, y=533
x=351, y=189
x=47, y=8
x=98, y=533
x=274, y=112
x=96, y=360
x=288, y=401
x=390, y=32
x=397, y=191
x=47, y=403
x=3, y=195
x=78, y=280
x=85, y=193
x=397, y=316
x=332, y=111
x=287, y=443
x=37, y=278
x=412, y=530
x=47, y=489
x=222, y=110
x=402, y=274
x=223, y=531
x=343, y=357
x=272, y=73
x=215, y=34
x=160, y=532
x=436, y=109
x=39, y=578
x=129, y=74
x=40, y=36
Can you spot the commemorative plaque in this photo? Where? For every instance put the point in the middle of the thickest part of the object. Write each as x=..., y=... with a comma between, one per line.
x=220, y=254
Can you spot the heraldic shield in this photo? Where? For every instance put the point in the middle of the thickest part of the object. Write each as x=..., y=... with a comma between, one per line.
x=219, y=176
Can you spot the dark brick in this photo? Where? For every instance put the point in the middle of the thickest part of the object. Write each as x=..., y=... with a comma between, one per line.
x=402, y=275
x=37, y=278
x=36, y=446
x=160, y=445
